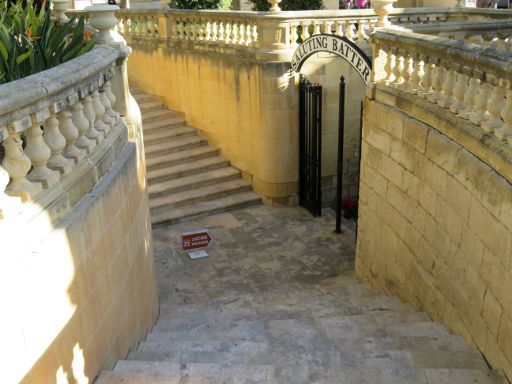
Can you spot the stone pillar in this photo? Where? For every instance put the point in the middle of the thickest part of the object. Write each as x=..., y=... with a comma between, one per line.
x=274, y=35
x=383, y=8
x=102, y=17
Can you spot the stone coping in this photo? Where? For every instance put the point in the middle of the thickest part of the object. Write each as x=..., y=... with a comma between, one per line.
x=489, y=13
x=22, y=97
x=487, y=60
x=488, y=26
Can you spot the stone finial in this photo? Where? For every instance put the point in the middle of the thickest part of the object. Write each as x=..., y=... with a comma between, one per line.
x=59, y=9
x=274, y=5
x=102, y=18
x=383, y=8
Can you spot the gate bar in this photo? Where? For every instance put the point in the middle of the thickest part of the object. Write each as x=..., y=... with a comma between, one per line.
x=341, y=142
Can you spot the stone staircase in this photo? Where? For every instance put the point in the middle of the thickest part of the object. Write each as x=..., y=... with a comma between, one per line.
x=277, y=303
x=379, y=341
x=187, y=177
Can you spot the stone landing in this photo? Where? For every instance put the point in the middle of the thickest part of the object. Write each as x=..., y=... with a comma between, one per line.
x=276, y=301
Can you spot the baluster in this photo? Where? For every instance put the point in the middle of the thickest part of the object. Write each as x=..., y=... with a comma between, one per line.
x=255, y=34
x=316, y=28
x=408, y=73
x=56, y=142
x=417, y=75
x=70, y=132
x=89, y=113
x=248, y=34
x=305, y=30
x=481, y=101
x=349, y=33
x=426, y=79
x=99, y=112
x=180, y=29
x=437, y=84
x=449, y=84
x=459, y=92
x=339, y=28
x=17, y=164
x=496, y=104
x=112, y=98
x=174, y=28
x=200, y=29
x=208, y=32
x=152, y=27
x=294, y=34
x=400, y=69
x=215, y=30
x=469, y=98
x=234, y=32
x=109, y=121
x=39, y=152
x=227, y=33
x=390, y=66
x=505, y=132
x=241, y=33
x=361, y=33
x=221, y=31
x=82, y=124
x=328, y=27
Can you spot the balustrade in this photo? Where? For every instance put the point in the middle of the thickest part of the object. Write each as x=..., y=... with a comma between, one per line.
x=462, y=78
x=44, y=138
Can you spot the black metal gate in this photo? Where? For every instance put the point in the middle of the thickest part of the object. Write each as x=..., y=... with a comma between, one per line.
x=310, y=146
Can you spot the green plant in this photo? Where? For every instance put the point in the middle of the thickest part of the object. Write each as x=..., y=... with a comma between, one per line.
x=31, y=41
x=202, y=4
x=288, y=5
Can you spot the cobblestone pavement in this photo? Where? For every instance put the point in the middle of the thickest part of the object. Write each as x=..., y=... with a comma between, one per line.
x=276, y=301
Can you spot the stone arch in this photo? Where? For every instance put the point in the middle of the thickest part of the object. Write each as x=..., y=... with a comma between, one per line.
x=336, y=45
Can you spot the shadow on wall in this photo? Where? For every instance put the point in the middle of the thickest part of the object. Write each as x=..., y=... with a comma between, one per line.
x=80, y=294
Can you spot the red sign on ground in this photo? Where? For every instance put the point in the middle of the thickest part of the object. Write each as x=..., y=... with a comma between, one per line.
x=196, y=240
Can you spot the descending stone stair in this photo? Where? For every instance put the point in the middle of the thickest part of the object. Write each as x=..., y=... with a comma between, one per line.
x=379, y=341
x=187, y=178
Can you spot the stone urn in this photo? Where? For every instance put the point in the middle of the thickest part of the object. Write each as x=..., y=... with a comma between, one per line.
x=274, y=5
x=383, y=8
x=102, y=18
x=59, y=9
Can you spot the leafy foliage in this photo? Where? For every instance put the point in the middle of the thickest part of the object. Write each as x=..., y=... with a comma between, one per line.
x=202, y=4
x=31, y=41
x=288, y=5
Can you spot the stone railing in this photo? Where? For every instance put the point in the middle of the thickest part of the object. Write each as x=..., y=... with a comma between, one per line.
x=56, y=127
x=493, y=33
x=470, y=81
x=269, y=35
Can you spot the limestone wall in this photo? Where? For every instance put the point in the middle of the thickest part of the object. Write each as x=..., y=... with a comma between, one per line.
x=79, y=294
x=435, y=223
x=249, y=109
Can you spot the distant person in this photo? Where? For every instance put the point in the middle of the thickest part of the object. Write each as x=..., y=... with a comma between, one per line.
x=361, y=4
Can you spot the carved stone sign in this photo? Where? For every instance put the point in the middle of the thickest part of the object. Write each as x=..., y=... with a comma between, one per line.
x=336, y=45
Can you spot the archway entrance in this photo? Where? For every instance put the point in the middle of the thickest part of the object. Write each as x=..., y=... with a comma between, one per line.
x=317, y=59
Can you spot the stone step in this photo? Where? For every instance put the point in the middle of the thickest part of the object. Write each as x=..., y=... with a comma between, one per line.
x=175, y=145
x=168, y=134
x=163, y=124
x=218, y=352
x=110, y=377
x=181, y=157
x=346, y=376
x=205, y=208
x=158, y=115
x=237, y=371
x=209, y=192
x=150, y=105
x=141, y=97
x=185, y=170
x=193, y=181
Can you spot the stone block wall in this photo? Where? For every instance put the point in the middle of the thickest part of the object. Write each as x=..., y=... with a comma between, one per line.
x=435, y=223
x=85, y=288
